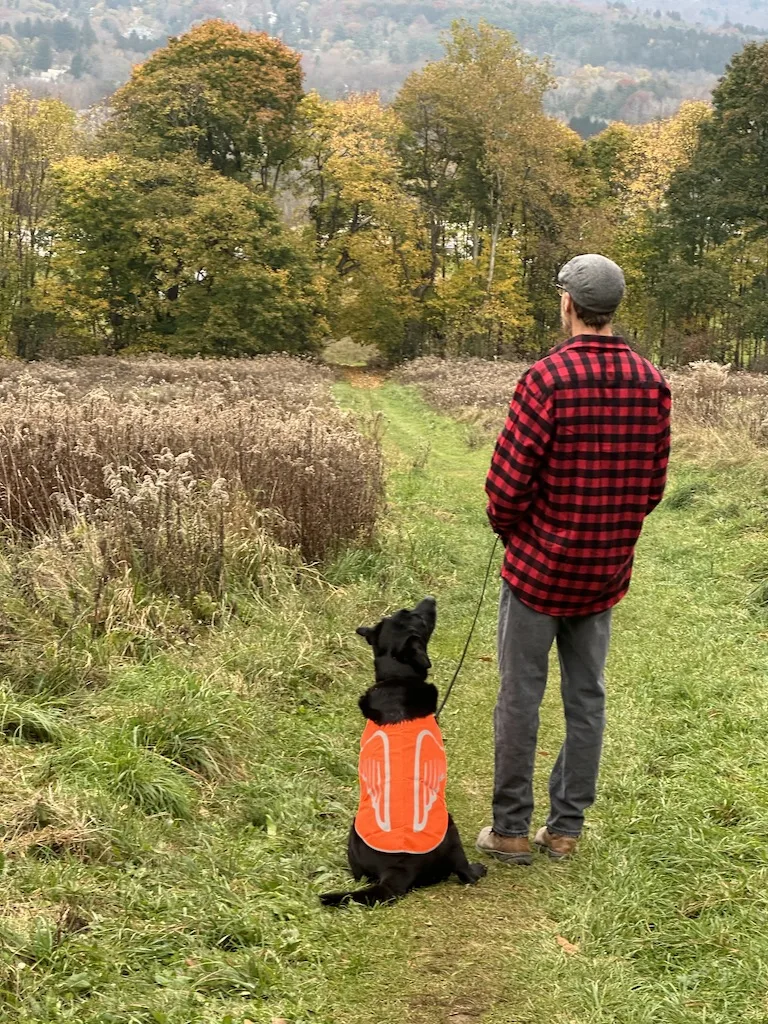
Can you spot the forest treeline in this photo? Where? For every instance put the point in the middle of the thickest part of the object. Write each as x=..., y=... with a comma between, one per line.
x=640, y=63
x=221, y=209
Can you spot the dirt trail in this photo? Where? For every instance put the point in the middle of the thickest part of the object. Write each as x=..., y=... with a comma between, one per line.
x=460, y=949
x=365, y=380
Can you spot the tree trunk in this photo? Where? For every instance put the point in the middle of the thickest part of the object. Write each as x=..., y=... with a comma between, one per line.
x=475, y=240
x=494, y=244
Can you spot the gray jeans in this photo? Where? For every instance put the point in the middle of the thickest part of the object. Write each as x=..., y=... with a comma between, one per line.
x=524, y=642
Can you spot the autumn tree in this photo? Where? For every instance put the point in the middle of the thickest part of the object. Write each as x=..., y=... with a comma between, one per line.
x=718, y=217
x=641, y=163
x=34, y=134
x=696, y=236
x=171, y=256
x=608, y=167
x=468, y=316
x=226, y=96
x=726, y=174
x=497, y=107
x=369, y=233
x=661, y=150
x=490, y=169
x=474, y=121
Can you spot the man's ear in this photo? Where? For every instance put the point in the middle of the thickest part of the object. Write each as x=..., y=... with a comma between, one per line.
x=367, y=633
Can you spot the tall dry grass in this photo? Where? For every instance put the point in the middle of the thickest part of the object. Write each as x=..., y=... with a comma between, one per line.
x=174, y=462
x=712, y=403
x=290, y=382
x=463, y=384
x=711, y=396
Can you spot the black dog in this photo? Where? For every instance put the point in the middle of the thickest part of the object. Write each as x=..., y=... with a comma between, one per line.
x=416, y=816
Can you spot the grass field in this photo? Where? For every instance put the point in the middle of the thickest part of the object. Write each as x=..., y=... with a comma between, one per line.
x=180, y=886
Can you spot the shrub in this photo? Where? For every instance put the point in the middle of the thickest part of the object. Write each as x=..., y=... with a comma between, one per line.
x=25, y=719
x=346, y=352
x=191, y=724
x=114, y=764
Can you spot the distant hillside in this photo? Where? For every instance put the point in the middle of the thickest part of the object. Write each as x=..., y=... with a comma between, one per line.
x=614, y=61
x=746, y=13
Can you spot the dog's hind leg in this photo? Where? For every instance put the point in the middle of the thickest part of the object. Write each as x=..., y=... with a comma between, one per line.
x=356, y=855
x=390, y=887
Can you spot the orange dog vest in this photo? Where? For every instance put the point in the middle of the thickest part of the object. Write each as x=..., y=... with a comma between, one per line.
x=402, y=772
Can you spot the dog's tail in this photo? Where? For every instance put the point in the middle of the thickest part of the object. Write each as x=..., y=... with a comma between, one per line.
x=379, y=893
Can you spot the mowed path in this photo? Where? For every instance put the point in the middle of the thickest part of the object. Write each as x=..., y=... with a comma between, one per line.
x=663, y=915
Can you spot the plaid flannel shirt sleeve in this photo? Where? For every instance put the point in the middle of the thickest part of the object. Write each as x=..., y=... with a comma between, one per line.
x=661, y=455
x=512, y=483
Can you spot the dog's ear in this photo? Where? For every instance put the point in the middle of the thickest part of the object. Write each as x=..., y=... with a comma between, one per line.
x=367, y=633
x=414, y=653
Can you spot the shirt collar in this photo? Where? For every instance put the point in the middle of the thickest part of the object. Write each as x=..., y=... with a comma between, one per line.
x=591, y=341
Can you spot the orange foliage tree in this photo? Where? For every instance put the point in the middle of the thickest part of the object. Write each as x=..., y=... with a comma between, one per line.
x=227, y=96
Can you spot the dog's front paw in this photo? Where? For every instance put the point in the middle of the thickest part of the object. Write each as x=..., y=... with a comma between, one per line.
x=478, y=871
x=334, y=899
x=473, y=874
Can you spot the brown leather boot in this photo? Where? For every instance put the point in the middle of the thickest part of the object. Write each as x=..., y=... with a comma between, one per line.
x=558, y=847
x=507, y=849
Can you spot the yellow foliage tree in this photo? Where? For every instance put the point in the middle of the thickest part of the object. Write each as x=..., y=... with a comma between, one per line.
x=170, y=255
x=226, y=96
x=491, y=169
x=34, y=135
x=473, y=318
x=659, y=149
x=370, y=233
x=657, y=152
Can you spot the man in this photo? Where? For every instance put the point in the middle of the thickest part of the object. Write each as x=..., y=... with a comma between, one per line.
x=580, y=463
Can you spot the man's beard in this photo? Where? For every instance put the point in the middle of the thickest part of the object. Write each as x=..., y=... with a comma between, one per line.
x=565, y=321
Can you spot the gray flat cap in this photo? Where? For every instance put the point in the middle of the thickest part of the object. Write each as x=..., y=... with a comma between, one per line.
x=593, y=282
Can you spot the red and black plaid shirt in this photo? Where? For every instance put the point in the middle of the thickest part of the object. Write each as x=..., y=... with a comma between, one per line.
x=580, y=463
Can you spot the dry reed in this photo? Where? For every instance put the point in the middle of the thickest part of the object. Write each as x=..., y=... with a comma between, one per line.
x=712, y=396
x=463, y=384
x=167, y=454
x=289, y=381
x=707, y=396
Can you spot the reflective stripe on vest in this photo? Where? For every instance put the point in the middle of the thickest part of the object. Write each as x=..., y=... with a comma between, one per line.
x=402, y=772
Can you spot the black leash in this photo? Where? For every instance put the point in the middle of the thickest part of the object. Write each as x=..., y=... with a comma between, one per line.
x=471, y=631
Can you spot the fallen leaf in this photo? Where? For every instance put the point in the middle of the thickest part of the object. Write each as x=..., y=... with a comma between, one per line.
x=485, y=657
x=544, y=753
x=567, y=946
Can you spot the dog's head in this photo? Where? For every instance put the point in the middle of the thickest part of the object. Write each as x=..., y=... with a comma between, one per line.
x=400, y=641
